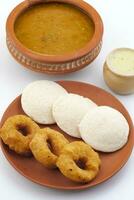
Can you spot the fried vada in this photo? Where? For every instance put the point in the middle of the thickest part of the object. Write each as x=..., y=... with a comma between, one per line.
x=47, y=145
x=79, y=162
x=17, y=132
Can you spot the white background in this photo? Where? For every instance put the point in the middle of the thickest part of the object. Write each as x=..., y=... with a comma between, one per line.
x=118, y=21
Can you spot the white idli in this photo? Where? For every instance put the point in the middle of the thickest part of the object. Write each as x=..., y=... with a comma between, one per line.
x=105, y=129
x=37, y=100
x=68, y=111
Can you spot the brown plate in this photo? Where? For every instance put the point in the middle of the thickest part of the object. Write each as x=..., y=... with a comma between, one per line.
x=111, y=162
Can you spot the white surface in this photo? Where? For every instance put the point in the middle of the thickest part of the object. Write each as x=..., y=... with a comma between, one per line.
x=119, y=32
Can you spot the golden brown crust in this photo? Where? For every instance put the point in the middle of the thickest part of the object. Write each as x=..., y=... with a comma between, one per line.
x=73, y=153
x=17, y=132
x=47, y=155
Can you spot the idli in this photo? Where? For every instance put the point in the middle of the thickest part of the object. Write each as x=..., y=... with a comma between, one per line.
x=37, y=100
x=68, y=111
x=105, y=129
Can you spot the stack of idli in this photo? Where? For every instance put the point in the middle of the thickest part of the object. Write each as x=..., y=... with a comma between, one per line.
x=102, y=127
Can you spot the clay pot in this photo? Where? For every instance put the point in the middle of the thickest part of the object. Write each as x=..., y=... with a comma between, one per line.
x=54, y=64
x=119, y=83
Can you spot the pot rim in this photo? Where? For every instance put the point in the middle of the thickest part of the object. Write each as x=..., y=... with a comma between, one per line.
x=85, y=7
x=114, y=71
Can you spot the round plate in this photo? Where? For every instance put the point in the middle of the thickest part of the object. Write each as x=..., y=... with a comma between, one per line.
x=111, y=162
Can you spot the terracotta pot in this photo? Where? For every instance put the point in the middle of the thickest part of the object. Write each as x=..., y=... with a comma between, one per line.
x=54, y=64
x=119, y=83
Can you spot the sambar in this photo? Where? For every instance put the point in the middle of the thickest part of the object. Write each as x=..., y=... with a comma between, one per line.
x=54, y=28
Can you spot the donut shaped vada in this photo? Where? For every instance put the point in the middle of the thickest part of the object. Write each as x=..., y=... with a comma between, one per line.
x=17, y=132
x=47, y=145
x=79, y=162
